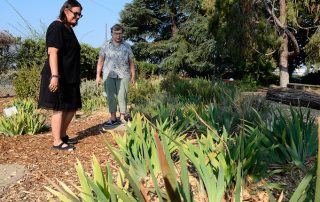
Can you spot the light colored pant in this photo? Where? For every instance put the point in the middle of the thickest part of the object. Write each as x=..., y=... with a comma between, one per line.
x=117, y=88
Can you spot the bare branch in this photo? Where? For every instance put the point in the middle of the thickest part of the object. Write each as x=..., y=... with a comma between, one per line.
x=296, y=49
x=266, y=54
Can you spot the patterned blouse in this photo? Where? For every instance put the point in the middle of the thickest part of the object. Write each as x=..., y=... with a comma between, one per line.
x=116, y=60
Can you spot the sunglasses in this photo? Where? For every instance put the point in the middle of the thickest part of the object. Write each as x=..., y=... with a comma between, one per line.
x=76, y=13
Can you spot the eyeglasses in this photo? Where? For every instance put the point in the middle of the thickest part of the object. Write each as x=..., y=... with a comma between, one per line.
x=76, y=13
x=117, y=34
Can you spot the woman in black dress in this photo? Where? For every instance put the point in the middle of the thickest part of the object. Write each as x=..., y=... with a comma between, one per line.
x=60, y=77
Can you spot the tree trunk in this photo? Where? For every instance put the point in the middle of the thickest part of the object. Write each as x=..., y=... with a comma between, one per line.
x=294, y=97
x=174, y=27
x=284, y=53
x=283, y=63
x=281, y=23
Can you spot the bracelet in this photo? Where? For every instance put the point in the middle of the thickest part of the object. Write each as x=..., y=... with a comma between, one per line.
x=56, y=76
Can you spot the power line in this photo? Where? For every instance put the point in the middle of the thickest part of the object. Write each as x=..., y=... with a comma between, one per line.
x=103, y=6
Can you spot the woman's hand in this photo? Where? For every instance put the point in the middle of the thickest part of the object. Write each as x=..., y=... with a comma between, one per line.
x=132, y=80
x=98, y=80
x=54, y=84
x=53, y=62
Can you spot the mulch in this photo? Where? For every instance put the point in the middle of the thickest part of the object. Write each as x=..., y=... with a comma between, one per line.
x=35, y=153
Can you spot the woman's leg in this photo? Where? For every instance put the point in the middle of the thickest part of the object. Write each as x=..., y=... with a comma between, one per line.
x=56, y=126
x=111, y=90
x=66, y=119
x=57, y=123
x=122, y=86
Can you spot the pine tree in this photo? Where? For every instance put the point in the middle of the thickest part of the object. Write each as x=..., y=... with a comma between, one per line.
x=172, y=34
x=282, y=27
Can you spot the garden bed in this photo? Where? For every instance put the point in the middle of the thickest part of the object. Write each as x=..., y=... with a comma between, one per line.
x=35, y=154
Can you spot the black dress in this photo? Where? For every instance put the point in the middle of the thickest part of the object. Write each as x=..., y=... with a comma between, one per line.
x=67, y=97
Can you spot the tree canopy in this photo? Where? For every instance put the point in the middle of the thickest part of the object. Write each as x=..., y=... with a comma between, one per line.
x=258, y=31
x=214, y=37
x=172, y=34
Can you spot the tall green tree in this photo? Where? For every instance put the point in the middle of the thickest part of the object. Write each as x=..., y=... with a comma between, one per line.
x=151, y=20
x=172, y=34
x=292, y=17
x=245, y=42
x=288, y=27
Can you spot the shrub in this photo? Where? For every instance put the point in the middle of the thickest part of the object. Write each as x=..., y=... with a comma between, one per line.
x=32, y=52
x=146, y=69
x=26, y=121
x=199, y=89
x=27, y=82
x=88, y=61
x=92, y=96
x=141, y=91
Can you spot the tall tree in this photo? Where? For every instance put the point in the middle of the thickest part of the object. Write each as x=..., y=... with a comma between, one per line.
x=244, y=40
x=286, y=35
x=151, y=20
x=170, y=33
x=295, y=23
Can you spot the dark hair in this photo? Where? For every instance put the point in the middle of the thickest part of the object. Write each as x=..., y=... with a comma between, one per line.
x=68, y=4
x=117, y=27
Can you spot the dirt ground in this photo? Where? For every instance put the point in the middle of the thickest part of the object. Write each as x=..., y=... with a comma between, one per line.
x=35, y=154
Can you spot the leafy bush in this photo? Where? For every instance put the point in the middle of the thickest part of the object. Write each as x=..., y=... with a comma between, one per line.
x=92, y=96
x=199, y=89
x=27, y=82
x=141, y=91
x=138, y=140
x=146, y=69
x=88, y=62
x=247, y=84
x=26, y=121
x=101, y=188
x=32, y=52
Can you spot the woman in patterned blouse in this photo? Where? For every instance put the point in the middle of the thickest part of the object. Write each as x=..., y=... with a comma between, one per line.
x=116, y=63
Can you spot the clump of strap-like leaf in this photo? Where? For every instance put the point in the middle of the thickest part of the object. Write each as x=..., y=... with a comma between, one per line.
x=26, y=121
